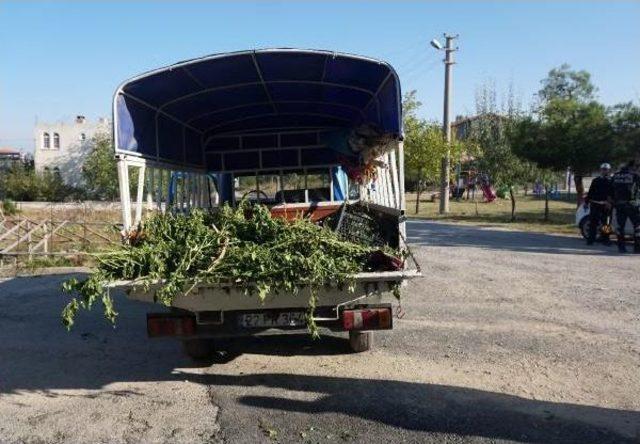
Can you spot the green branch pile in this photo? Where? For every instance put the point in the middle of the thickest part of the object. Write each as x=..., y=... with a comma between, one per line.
x=243, y=247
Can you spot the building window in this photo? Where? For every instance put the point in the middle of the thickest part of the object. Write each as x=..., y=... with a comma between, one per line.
x=56, y=141
x=83, y=137
x=46, y=141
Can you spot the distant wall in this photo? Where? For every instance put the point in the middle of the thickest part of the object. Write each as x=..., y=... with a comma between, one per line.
x=90, y=204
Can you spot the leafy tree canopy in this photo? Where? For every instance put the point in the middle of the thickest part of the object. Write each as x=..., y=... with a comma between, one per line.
x=571, y=129
x=23, y=183
x=99, y=170
x=625, y=127
x=491, y=132
x=423, y=143
x=567, y=84
x=567, y=134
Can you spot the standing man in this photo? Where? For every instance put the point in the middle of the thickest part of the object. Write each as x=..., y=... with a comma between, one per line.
x=598, y=202
x=625, y=193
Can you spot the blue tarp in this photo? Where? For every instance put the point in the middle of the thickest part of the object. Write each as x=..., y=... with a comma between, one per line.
x=177, y=113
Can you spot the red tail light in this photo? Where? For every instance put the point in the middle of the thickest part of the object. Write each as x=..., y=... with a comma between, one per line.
x=367, y=319
x=163, y=325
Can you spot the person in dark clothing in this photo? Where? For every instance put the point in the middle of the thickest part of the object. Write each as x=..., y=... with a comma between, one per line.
x=598, y=202
x=625, y=194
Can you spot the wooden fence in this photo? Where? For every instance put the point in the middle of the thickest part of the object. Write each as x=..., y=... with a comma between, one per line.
x=56, y=231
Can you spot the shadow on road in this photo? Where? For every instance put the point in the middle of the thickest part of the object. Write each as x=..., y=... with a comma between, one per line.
x=299, y=344
x=438, y=408
x=38, y=355
x=438, y=234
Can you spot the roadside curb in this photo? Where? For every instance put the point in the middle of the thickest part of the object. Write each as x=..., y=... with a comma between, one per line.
x=36, y=272
x=490, y=226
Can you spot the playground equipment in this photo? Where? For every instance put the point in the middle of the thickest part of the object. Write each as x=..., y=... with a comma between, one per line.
x=468, y=180
x=485, y=186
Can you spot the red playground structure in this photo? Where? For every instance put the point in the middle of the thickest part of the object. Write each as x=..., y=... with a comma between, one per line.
x=468, y=181
x=485, y=186
x=488, y=193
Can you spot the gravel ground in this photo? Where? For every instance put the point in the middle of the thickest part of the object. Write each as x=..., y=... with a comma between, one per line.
x=510, y=336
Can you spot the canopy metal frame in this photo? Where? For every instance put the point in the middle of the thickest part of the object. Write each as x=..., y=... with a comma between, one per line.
x=276, y=102
x=197, y=189
x=184, y=67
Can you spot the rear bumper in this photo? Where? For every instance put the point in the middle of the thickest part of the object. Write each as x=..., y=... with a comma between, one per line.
x=186, y=325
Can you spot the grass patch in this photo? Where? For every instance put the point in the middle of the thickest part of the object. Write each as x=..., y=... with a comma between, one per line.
x=8, y=208
x=37, y=263
x=72, y=213
x=47, y=262
x=529, y=213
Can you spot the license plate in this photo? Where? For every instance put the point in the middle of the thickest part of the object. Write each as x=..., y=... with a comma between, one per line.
x=279, y=319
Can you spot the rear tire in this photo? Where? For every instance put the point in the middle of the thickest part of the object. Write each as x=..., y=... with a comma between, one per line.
x=360, y=341
x=198, y=349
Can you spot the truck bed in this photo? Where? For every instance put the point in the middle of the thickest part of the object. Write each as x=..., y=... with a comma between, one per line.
x=370, y=288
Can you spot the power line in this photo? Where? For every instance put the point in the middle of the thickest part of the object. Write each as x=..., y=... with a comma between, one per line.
x=404, y=50
x=421, y=70
x=413, y=58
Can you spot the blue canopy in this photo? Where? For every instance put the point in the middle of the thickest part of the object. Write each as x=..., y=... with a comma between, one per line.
x=184, y=112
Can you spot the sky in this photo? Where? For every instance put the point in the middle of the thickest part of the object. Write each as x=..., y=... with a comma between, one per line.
x=60, y=59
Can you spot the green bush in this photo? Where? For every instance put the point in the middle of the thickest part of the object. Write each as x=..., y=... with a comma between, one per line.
x=23, y=183
x=503, y=192
x=9, y=207
x=53, y=189
x=99, y=170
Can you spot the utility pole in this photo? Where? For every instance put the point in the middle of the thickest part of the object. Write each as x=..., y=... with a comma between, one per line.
x=446, y=122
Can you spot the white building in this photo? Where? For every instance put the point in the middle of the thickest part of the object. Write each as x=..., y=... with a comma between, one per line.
x=63, y=147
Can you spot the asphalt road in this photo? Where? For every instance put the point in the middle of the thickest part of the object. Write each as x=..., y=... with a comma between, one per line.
x=509, y=336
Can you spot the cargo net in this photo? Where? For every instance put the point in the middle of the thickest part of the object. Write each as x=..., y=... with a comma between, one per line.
x=357, y=223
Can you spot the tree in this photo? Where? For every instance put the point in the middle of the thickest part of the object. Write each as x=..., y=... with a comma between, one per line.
x=546, y=177
x=424, y=146
x=570, y=129
x=625, y=127
x=99, y=169
x=410, y=105
x=491, y=131
x=23, y=183
x=566, y=84
x=53, y=189
x=20, y=183
x=567, y=134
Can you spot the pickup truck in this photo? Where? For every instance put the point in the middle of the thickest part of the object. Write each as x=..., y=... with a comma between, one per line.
x=305, y=132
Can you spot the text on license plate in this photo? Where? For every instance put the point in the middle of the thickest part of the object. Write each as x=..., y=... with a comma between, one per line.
x=279, y=319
